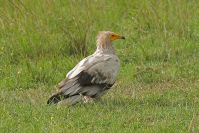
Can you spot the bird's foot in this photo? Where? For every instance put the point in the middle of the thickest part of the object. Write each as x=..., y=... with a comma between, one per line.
x=88, y=99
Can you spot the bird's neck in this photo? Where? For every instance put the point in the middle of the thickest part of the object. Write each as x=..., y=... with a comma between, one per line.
x=105, y=47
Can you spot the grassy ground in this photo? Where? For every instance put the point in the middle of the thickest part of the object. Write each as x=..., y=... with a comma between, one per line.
x=157, y=89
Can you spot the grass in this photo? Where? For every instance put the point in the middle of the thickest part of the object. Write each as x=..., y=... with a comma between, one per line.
x=157, y=89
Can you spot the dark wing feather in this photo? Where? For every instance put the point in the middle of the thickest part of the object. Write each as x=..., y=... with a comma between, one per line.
x=83, y=84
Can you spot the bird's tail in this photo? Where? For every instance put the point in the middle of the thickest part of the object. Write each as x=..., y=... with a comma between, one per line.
x=66, y=90
x=54, y=99
x=64, y=99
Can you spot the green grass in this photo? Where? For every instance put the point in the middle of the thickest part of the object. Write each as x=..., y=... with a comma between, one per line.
x=157, y=89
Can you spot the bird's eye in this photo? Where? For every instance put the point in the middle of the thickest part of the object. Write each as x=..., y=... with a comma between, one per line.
x=112, y=35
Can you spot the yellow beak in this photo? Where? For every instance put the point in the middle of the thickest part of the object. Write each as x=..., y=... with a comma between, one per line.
x=116, y=36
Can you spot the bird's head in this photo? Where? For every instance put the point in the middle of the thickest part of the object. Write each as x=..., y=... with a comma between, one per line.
x=108, y=35
x=105, y=38
x=114, y=36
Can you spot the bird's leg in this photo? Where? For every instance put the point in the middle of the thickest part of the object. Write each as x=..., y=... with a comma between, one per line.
x=86, y=99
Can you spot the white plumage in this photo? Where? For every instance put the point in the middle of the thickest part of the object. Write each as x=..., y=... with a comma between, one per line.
x=92, y=76
x=106, y=64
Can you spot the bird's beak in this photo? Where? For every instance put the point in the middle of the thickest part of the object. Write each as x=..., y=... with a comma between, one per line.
x=122, y=37
x=116, y=36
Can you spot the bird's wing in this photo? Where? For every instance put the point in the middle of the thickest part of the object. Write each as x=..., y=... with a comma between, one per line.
x=83, y=65
x=94, y=70
x=75, y=71
x=91, y=77
x=102, y=71
x=86, y=63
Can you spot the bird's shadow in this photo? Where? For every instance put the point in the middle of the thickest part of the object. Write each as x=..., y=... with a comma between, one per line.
x=109, y=103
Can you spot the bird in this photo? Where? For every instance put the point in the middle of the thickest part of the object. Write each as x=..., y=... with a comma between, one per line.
x=93, y=76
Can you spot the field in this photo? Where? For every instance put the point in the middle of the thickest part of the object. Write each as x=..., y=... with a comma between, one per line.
x=157, y=89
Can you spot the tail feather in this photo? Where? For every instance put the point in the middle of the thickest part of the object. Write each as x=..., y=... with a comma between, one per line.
x=57, y=98
x=71, y=100
x=54, y=99
x=71, y=91
x=66, y=89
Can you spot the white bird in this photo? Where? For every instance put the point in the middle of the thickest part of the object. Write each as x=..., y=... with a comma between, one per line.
x=92, y=76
